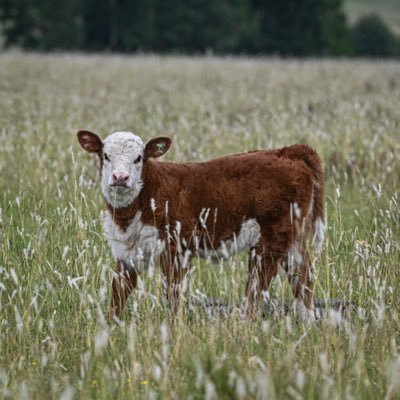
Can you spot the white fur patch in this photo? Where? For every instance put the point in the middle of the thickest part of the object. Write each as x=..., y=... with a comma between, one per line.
x=138, y=246
x=248, y=237
x=302, y=312
x=319, y=235
x=295, y=258
x=122, y=149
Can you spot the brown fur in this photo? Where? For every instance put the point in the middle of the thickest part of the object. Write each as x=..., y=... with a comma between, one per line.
x=262, y=184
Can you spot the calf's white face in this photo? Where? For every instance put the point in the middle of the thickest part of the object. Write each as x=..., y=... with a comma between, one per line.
x=122, y=156
x=121, y=175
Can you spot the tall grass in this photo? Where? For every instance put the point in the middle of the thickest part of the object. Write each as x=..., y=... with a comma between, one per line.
x=55, y=267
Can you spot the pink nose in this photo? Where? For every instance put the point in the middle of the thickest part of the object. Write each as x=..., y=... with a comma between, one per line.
x=120, y=178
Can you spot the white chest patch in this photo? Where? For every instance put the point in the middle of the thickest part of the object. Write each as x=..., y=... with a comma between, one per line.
x=248, y=237
x=138, y=246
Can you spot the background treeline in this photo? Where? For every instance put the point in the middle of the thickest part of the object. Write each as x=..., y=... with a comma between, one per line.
x=281, y=27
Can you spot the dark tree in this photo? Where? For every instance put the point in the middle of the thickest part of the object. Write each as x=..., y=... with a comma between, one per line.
x=136, y=25
x=42, y=24
x=196, y=25
x=373, y=38
x=283, y=27
x=302, y=27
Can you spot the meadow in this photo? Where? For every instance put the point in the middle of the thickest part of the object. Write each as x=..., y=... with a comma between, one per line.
x=55, y=266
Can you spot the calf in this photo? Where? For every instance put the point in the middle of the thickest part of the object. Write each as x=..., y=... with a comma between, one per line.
x=269, y=202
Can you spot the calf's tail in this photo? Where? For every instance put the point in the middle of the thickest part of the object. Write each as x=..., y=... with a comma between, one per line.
x=313, y=161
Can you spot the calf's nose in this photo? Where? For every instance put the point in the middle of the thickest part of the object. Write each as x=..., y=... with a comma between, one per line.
x=120, y=178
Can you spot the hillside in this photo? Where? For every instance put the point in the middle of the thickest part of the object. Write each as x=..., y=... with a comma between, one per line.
x=389, y=10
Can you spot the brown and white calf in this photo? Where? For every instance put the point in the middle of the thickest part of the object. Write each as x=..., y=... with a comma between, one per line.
x=269, y=202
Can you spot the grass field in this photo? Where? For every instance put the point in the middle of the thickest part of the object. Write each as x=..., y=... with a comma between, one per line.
x=55, y=267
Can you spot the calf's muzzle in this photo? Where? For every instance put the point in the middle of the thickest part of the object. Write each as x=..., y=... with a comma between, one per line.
x=120, y=179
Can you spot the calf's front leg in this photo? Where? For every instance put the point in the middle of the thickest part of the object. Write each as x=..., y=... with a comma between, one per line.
x=124, y=281
x=174, y=273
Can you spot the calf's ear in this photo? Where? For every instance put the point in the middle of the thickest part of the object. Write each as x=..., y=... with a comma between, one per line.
x=90, y=141
x=157, y=147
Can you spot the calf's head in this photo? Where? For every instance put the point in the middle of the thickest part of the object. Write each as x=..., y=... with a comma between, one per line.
x=122, y=157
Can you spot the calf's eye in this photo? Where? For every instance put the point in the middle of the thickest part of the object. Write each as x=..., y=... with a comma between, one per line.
x=138, y=160
x=106, y=157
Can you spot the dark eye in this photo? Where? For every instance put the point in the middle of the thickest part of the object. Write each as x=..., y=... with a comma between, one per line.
x=106, y=157
x=138, y=160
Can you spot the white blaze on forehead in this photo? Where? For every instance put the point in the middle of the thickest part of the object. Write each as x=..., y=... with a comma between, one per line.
x=120, y=143
x=122, y=150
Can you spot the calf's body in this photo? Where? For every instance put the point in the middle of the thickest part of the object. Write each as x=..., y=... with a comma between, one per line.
x=268, y=202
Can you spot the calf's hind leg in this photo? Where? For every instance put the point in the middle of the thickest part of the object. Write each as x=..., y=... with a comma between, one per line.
x=262, y=268
x=301, y=279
